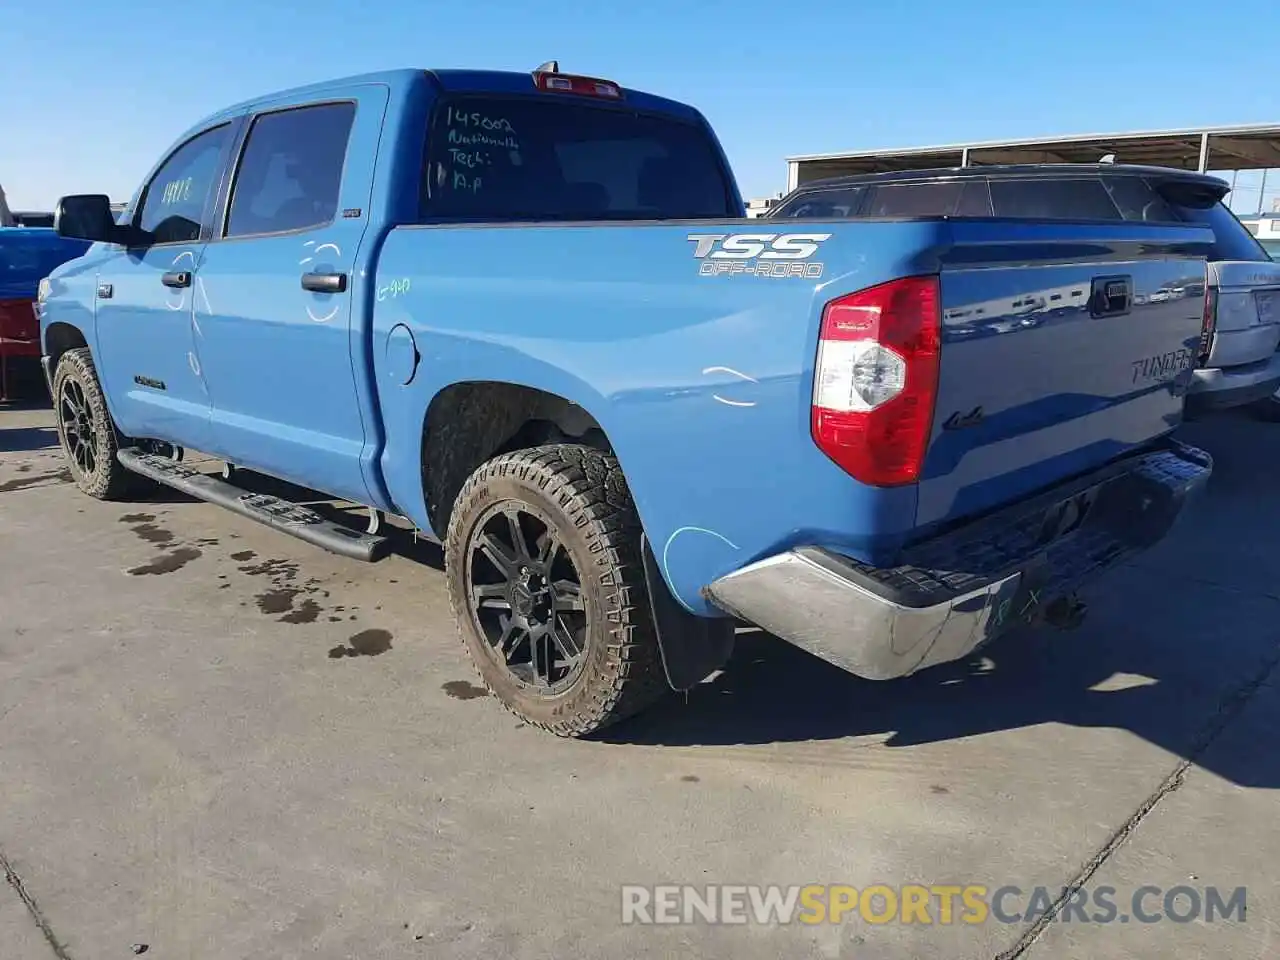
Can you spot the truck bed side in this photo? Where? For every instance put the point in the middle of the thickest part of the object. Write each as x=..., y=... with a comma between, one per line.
x=703, y=383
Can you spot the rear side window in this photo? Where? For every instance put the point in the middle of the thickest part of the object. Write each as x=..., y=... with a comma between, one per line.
x=1194, y=203
x=841, y=202
x=174, y=200
x=915, y=199
x=544, y=158
x=1042, y=199
x=1137, y=200
x=291, y=170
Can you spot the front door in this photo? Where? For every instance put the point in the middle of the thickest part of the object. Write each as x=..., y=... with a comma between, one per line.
x=276, y=330
x=145, y=353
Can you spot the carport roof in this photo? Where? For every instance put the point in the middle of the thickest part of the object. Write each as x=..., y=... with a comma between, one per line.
x=1249, y=147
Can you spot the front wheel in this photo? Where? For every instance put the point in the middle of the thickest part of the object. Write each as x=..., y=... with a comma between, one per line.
x=546, y=582
x=85, y=428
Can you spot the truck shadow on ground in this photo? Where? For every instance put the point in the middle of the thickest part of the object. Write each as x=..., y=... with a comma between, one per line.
x=1174, y=643
x=27, y=439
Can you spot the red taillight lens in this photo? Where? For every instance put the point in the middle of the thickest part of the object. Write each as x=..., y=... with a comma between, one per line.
x=583, y=86
x=877, y=379
x=1208, y=324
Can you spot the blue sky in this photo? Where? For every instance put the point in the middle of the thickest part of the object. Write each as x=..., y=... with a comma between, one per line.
x=92, y=91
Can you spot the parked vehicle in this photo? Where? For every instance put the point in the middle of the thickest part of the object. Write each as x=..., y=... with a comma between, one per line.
x=525, y=312
x=26, y=255
x=1237, y=362
x=32, y=218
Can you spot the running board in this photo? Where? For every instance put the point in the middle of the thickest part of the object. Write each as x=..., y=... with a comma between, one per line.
x=283, y=515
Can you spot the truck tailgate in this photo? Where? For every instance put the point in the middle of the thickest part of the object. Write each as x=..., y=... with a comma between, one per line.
x=1063, y=347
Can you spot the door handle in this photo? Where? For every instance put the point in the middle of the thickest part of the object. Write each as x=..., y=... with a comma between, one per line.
x=324, y=282
x=177, y=279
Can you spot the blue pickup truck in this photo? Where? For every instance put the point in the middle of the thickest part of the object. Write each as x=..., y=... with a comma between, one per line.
x=524, y=311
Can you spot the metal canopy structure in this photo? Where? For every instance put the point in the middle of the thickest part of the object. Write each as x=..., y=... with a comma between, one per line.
x=1252, y=147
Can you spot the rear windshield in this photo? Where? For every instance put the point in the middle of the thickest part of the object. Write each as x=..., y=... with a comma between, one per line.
x=539, y=158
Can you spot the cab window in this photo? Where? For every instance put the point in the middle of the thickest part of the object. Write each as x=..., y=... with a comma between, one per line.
x=290, y=173
x=173, y=204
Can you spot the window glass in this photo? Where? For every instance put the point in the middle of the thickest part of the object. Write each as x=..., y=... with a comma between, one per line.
x=1137, y=201
x=1039, y=198
x=916, y=199
x=291, y=171
x=841, y=202
x=534, y=158
x=175, y=199
x=1197, y=203
x=975, y=201
x=1272, y=247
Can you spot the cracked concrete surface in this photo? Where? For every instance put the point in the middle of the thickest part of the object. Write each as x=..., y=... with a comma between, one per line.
x=187, y=764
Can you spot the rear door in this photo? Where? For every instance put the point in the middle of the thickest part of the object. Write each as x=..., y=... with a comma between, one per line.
x=279, y=279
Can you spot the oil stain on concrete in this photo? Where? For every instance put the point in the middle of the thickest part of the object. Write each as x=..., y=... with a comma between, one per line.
x=464, y=690
x=366, y=643
x=287, y=598
x=167, y=562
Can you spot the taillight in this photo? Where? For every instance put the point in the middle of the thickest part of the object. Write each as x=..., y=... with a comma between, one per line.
x=1207, y=325
x=583, y=86
x=877, y=379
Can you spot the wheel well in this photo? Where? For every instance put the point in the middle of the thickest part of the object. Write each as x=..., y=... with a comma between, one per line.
x=59, y=338
x=469, y=423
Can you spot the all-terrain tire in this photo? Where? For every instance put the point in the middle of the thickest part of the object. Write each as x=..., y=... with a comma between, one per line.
x=582, y=491
x=104, y=478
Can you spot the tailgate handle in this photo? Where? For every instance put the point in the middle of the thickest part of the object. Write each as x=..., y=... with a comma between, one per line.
x=1111, y=296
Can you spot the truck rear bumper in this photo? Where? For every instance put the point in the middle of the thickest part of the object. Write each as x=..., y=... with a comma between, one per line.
x=1217, y=388
x=955, y=592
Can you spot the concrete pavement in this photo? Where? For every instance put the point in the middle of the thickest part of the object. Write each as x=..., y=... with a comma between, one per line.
x=220, y=742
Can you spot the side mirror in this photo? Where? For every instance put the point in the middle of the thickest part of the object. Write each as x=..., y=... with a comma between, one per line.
x=86, y=217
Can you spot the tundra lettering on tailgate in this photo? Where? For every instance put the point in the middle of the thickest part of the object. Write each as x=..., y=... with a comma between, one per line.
x=1164, y=366
x=779, y=255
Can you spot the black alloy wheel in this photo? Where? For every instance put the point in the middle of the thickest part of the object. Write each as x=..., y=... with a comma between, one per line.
x=526, y=596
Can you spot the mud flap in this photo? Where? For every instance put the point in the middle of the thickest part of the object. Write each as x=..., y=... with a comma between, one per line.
x=692, y=647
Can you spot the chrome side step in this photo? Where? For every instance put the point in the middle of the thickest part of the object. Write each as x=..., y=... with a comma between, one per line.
x=275, y=512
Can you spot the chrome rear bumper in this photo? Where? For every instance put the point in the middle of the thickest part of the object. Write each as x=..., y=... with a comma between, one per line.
x=960, y=590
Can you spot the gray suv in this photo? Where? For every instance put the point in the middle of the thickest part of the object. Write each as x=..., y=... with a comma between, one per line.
x=1237, y=363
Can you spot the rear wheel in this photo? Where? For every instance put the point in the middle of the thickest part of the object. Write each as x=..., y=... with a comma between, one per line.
x=85, y=428
x=545, y=577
